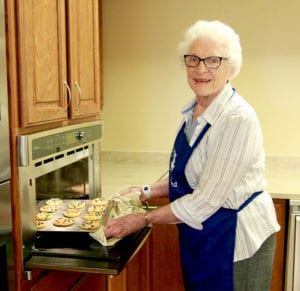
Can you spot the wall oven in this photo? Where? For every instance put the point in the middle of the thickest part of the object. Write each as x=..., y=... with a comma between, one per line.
x=65, y=163
x=292, y=274
x=62, y=163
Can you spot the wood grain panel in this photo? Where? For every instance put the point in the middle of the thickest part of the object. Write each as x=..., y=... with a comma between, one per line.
x=84, y=57
x=138, y=270
x=42, y=51
x=164, y=256
x=56, y=280
x=93, y=282
x=279, y=260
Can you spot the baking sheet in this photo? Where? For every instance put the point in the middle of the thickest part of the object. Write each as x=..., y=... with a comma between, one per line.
x=59, y=213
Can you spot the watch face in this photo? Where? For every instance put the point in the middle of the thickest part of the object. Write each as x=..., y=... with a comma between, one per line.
x=146, y=191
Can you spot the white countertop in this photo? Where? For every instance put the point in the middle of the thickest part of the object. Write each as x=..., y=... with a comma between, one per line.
x=122, y=169
x=283, y=176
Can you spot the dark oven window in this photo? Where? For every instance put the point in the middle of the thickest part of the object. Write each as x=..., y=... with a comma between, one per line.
x=69, y=182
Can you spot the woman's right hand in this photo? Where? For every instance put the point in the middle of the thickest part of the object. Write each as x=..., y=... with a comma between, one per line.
x=134, y=189
x=129, y=190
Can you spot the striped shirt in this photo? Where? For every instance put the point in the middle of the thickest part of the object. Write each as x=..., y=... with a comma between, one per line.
x=225, y=169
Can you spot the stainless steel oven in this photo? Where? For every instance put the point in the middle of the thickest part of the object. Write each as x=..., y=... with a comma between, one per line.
x=62, y=163
x=292, y=274
x=65, y=163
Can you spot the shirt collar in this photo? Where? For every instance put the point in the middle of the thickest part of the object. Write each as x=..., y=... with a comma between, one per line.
x=214, y=109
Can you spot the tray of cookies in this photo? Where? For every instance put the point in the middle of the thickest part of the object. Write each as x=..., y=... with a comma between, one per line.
x=57, y=214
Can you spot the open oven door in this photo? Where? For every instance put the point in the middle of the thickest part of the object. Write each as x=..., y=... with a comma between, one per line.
x=77, y=251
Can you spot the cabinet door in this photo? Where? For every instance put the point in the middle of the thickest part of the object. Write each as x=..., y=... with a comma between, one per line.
x=49, y=280
x=84, y=57
x=281, y=206
x=164, y=256
x=42, y=59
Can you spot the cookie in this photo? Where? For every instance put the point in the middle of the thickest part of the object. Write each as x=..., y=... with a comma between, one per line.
x=77, y=205
x=48, y=208
x=97, y=208
x=71, y=213
x=63, y=221
x=54, y=201
x=40, y=224
x=90, y=225
x=42, y=216
x=92, y=216
x=99, y=201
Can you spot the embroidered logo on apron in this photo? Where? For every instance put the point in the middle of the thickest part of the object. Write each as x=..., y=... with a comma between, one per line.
x=173, y=160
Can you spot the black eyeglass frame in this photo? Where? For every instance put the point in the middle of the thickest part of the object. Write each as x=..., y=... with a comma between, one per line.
x=204, y=61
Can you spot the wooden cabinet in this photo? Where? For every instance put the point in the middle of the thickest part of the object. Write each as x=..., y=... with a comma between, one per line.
x=157, y=266
x=281, y=207
x=48, y=280
x=164, y=260
x=50, y=44
x=138, y=271
x=165, y=268
x=42, y=61
x=93, y=282
x=59, y=60
x=84, y=57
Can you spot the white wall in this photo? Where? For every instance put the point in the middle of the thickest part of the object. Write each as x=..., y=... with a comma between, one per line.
x=145, y=85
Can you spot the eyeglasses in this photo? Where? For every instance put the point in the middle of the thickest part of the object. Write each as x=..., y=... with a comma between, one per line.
x=212, y=62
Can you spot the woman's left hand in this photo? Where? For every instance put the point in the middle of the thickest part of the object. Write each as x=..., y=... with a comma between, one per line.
x=122, y=226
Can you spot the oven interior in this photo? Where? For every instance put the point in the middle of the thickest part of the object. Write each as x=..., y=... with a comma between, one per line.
x=68, y=182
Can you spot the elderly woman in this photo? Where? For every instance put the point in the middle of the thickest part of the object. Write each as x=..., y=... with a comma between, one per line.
x=216, y=184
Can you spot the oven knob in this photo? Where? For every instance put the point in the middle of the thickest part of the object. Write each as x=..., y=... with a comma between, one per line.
x=80, y=135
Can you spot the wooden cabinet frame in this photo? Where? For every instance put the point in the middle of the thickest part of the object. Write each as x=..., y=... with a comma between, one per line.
x=59, y=60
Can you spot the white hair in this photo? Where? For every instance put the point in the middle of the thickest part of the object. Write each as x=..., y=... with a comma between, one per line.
x=219, y=33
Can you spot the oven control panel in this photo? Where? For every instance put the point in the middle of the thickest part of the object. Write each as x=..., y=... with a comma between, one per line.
x=50, y=142
x=64, y=140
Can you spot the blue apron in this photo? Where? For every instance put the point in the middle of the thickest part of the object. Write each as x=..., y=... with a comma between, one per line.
x=206, y=255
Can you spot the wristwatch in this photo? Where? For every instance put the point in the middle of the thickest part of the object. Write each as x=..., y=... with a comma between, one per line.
x=146, y=191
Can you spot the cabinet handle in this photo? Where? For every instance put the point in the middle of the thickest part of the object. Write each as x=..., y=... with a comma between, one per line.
x=80, y=95
x=69, y=96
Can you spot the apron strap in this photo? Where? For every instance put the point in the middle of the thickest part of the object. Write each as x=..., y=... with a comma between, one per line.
x=251, y=198
x=200, y=136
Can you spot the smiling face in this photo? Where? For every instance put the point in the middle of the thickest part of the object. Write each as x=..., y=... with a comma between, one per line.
x=208, y=83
